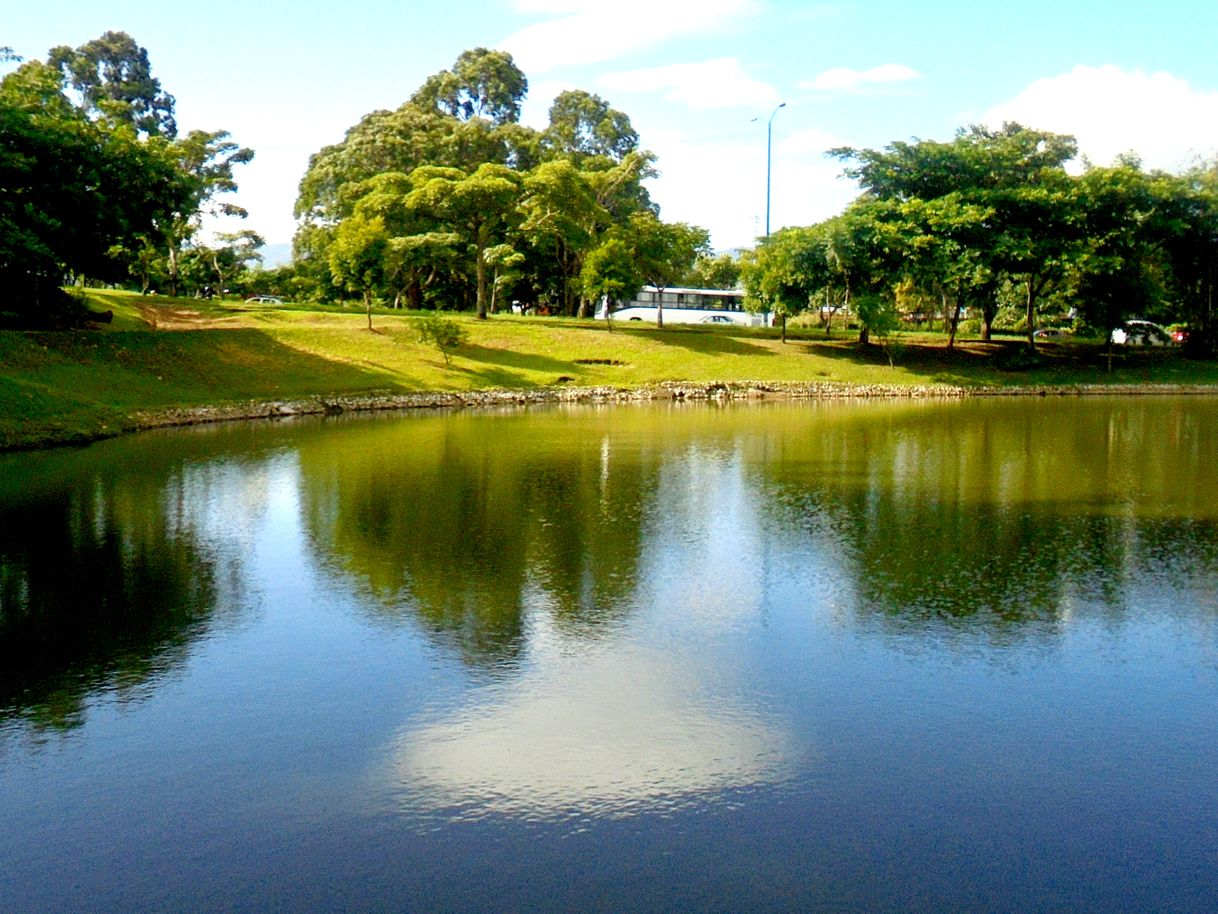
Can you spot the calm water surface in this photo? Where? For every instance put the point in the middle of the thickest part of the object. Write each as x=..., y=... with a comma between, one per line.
x=841, y=657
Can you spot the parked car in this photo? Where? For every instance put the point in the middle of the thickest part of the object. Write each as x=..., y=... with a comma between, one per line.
x=716, y=319
x=263, y=300
x=1050, y=333
x=1140, y=333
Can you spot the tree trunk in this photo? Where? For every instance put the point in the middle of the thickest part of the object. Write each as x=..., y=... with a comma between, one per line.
x=1031, y=290
x=955, y=324
x=659, y=306
x=172, y=260
x=784, y=326
x=480, y=269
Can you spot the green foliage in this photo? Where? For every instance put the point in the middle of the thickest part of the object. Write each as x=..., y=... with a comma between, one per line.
x=664, y=252
x=583, y=126
x=96, y=182
x=784, y=271
x=1005, y=193
x=482, y=84
x=357, y=257
x=114, y=80
x=481, y=208
x=443, y=333
x=458, y=182
x=1186, y=220
x=720, y=271
x=75, y=191
x=992, y=220
x=609, y=272
x=562, y=220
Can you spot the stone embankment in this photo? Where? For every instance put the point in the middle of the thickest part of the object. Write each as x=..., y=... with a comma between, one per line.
x=673, y=390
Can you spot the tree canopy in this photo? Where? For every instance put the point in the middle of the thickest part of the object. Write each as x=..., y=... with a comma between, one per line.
x=476, y=205
x=994, y=219
x=94, y=180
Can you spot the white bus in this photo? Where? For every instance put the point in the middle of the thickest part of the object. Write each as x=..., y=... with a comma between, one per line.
x=684, y=306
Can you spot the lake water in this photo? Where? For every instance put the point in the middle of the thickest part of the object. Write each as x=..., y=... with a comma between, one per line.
x=793, y=656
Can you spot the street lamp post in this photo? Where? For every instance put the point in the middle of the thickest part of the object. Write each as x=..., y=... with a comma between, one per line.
x=769, y=149
x=769, y=146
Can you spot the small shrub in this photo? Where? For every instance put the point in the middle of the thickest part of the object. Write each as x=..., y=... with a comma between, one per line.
x=446, y=335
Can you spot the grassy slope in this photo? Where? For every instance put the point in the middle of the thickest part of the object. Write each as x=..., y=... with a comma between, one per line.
x=61, y=386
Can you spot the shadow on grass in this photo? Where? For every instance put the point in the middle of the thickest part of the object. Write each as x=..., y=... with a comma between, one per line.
x=134, y=369
x=704, y=341
x=1006, y=362
x=505, y=368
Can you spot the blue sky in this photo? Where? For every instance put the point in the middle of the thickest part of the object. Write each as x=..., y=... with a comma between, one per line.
x=699, y=80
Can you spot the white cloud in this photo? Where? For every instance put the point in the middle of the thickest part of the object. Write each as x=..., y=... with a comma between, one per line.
x=720, y=83
x=1109, y=111
x=720, y=184
x=592, y=31
x=844, y=79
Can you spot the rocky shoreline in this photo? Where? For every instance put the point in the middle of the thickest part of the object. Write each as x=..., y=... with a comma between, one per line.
x=672, y=391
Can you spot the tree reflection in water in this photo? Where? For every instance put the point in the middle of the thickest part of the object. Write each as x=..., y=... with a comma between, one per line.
x=99, y=590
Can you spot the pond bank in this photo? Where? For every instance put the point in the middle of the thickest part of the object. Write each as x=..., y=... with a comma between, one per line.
x=688, y=391
x=672, y=390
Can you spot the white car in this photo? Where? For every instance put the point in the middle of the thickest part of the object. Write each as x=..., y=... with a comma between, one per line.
x=263, y=300
x=1140, y=333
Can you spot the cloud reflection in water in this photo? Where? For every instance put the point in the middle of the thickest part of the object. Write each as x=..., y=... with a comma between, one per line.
x=611, y=734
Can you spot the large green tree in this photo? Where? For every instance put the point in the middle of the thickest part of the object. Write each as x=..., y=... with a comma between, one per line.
x=453, y=162
x=1015, y=173
x=664, y=252
x=73, y=190
x=783, y=273
x=205, y=160
x=98, y=183
x=1186, y=224
x=357, y=257
x=479, y=207
x=562, y=221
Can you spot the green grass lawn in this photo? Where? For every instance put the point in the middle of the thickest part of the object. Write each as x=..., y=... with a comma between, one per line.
x=161, y=353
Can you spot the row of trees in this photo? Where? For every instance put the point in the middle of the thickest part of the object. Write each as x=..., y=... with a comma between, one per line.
x=449, y=201
x=96, y=182
x=993, y=217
